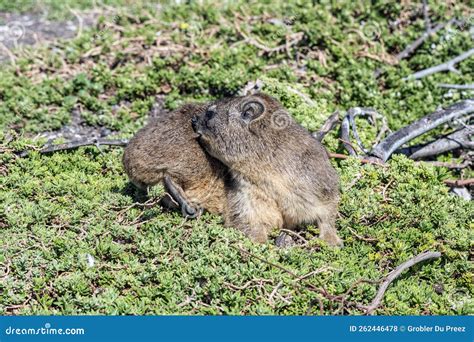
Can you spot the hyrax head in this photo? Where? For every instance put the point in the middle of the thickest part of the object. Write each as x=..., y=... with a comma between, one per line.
x=242, y=128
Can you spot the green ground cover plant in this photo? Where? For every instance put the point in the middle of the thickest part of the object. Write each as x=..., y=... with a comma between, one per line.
x=77, y=238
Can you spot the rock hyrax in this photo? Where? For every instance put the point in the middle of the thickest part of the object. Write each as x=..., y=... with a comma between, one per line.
x=281, y=176
x=166, y=150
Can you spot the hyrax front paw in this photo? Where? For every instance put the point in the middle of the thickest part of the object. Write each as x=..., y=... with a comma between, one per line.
x=191, y=212
x=332, y=239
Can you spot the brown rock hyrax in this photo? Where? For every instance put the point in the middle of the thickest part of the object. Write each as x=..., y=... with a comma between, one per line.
x=166, y=151
x=281, y=176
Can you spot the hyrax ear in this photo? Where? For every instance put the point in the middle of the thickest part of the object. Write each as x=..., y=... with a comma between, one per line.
x=252, y=110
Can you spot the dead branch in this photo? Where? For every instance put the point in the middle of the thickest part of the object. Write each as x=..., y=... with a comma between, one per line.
x=295, y=234
x=241, y=249
x=447, y=66
x=387, y=280
x=459, y=182
x=248, y=284
x=79, y=143
x=430, y=31
x=426, y=16
x=395, y=274
x=275, y=290
x=330, y=123
x=373, y=161
x=458, y=139
x=348, y=123
x=188, y=300
x=457, y=86
x=360, y=237
x=418, y=42
x=317, y=271
x=386, y=147
x=448, y=165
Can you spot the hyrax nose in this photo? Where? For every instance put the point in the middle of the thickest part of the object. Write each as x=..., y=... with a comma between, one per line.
x=210, y=113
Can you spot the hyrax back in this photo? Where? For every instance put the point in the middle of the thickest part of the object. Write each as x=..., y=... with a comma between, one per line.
x=166, y=150
x=279, y=170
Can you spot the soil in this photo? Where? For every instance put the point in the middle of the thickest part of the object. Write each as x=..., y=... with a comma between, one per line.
x=34, y=28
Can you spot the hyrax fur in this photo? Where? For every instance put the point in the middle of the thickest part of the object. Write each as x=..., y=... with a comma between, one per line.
x=281, y=176
x=166, y=150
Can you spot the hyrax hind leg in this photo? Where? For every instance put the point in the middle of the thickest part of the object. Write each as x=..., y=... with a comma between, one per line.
x=177, y=194
x=327, y=225
x=251, y=212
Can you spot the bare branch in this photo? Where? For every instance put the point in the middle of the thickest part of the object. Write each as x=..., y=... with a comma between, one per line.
x=295, y=234
x=243, y=250
x=447, y=66
x=417, y=43
x=448, y=165
x=349, y=122
x=457, y=86
x=360, y=237
x=458, y=139
x=426, y=16
x=373, y=161
x=330, y=123
x=459, y=182
x=386, y=147
x=395, y=274
x=78, y=143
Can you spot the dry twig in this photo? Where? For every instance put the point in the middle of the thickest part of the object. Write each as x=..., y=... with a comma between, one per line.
x=447, y=66
x=290, y=232
x=348, y=124
x=373, y=161
x=330, y=123
x=394, y=275
x=360, y=237
x=458, y=139
x=457, y=86
x=448, y=165
x=391, y=143
x=79, y=143
x=459, y=182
